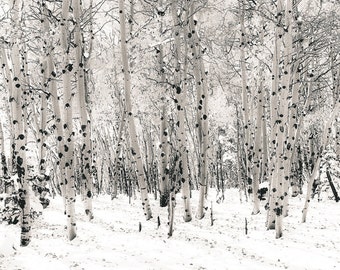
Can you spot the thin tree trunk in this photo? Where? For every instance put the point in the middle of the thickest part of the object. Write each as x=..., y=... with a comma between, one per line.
x=163, y=164
x=164, y=192
x=20, y=123
x=43, y=132
x=171, y=205
x=181, y=92
x=85, y=122
x=330, y=181
x=68, y=145
x=4, y=169
x=336, y=96
x=283, y=179
x=258, y=149
x=117, y=158
x=202, y=112
x=274, y=103
x=245, y=102
x=135, y=149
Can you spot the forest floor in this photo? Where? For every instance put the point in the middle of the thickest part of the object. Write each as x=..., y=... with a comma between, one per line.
x=112, y=240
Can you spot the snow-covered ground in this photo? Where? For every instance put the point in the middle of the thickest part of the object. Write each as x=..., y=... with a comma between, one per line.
x=113, y=241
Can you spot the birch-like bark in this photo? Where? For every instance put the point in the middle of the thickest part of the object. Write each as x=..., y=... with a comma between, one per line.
x=58, y=119
x=258, y=146
x=336, y=96
x=119, y=141
x=295, y=122
x=68, y=144
x=194, y=44
x=245, y=102
x=3, y=163
x=85, y=122
x=281, y=122
x=265, y=149
x=10, y=112
x=135, y=148
x=51, y=88
x=117, y=156
x=20, y=123
x=274, y=104
x=164, y=190
x=201, y=87
x=163, y=164
x=43, y=177
x=181, y=92
x=171, y=206
x=286, y=86
x=260, y=143
x=283, y=178
x=240, y=181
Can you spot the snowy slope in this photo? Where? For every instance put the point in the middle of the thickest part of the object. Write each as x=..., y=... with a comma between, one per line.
x=113, y=241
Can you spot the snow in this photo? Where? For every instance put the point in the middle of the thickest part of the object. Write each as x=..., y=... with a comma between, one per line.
x=113, y=241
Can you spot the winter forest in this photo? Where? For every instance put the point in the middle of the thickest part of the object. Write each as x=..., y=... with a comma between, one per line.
x=181, y=134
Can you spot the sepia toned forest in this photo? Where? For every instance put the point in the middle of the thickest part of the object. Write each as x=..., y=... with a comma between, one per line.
x=168, y=101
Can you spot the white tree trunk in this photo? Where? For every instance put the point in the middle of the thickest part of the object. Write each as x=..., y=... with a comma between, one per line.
x=20, y=123
x=85, y=122
x=245, y=98
x=68, y=144
x=180, y=106
x=163, y=164
x=201, y=87
x=274, y=107
x=164, y=188
x=3, y=170
x=135, y=149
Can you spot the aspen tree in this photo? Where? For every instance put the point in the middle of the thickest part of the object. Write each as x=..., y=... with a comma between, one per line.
x=12, y=105
x=164, y=193
x=163, y=164
x=88, y=74
x=336, y=95
x=20, y=123
x=260, y=127
x=135, y=148
x=68, y=133
x=202, y=106
x=117, y=155
x=57, y=116
x=119, y=142
x=50, y=85
x=239, y=158
x=264, y=97
x=283, y=119
x=274, y=103
x=153, y=174
x=194, y=44
x=265, y=150
x=180, y=86
x=295, y=122
x=245, y=105
x=6, y=166
x=85, y=122
x=44, y=96
x=257, y=147
x=286, y=88
x=3, y=163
